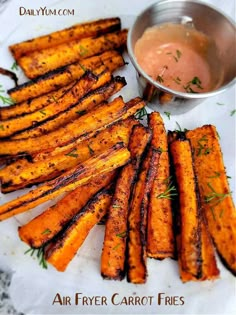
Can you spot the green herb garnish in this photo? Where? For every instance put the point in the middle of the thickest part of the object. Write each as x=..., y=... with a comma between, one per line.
x=201, y=148
x=215, y=196
x=91, y=151
x=81, y=112
x=2, y=127
x=220, y=104
x=162, y=150
x=167, y=114
x=232, y=112
x=177, y=80
x=170, y=191
x=54, y=99
x=122, y=234
x=43, y=112
x=47, y=231
x=160, y=79
x=83, y=67
x=217, y=174
x=82, y=51
x=178, y=53
x=117, y=246
x=141, y=113
x=196, y=82
x=72, y=153
x=14, y=66
x=39, y=255
x=6, y=100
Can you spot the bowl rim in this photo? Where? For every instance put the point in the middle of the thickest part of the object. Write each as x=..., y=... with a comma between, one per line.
x=155, y=83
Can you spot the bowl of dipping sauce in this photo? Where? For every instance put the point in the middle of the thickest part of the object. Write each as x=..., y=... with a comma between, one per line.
x=184, y=52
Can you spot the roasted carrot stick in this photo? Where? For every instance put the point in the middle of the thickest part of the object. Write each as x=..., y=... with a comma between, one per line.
x=45, y=60
x=113, y=158
x=215, y=194
x=82, y=128
x=61, y=250
x=68, y=100
x=160, y=238
x=23, y=173
x=84, y=106
x=59, y=78
x=56, y=217
x=195, y=250
x=114, y=247
x=137, y=219
x=189, y=240
x=75, y=32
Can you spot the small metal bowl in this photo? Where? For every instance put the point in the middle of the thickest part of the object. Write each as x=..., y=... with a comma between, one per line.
x=206, y=19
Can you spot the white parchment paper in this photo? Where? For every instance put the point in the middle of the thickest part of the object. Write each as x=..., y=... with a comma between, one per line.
x=33, y=289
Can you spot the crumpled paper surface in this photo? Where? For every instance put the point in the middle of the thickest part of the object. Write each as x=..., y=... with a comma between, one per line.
x=33, y=289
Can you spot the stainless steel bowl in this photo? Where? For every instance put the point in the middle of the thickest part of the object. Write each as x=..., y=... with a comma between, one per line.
x=206, y=19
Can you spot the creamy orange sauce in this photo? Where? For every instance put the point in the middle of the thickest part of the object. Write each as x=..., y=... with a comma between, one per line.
x=178, y=57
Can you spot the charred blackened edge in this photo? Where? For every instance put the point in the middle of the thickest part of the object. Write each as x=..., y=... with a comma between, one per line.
x=136, y=162
x=9, y=74
x=65, y=180
x=175, y=204
x=46, y=76
x=58, y=241
x=200, y=218
x=151, y=173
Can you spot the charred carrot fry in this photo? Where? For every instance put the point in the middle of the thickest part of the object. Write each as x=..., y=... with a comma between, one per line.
x=68, y=100
x=113, y=158
x=84, y=106
x=75, y=32
x=137, y=219
x=215, y=194
x=23, y=173
x=114, y=247
x=61, y=250
x=195, y=250
x=160, y=238
x=59, y=78
x=48, y=59
x=56, y=217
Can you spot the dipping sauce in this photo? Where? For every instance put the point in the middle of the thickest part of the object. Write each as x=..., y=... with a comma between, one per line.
x=180, y=58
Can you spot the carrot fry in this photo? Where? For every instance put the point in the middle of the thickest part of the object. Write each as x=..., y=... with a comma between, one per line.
x=195, y=251
x=61, y=250
x=59, y=78
x=114, y=247
x=45, y=60
x=215, y=195
x=69, y=99
x=137, y=219
x=66, y=35
x=23, y=173
x=56, y=217
x=160, y=238
x=113, y=158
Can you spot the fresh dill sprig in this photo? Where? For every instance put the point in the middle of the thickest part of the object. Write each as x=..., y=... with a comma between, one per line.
x=141, y=113
x=122, y=234
x=232, y=112
x=170, y=191
x=14, y=66
x=215, y=196
x=39, y=254
x=168, y=114
x=202, y=149
x=73, y=153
